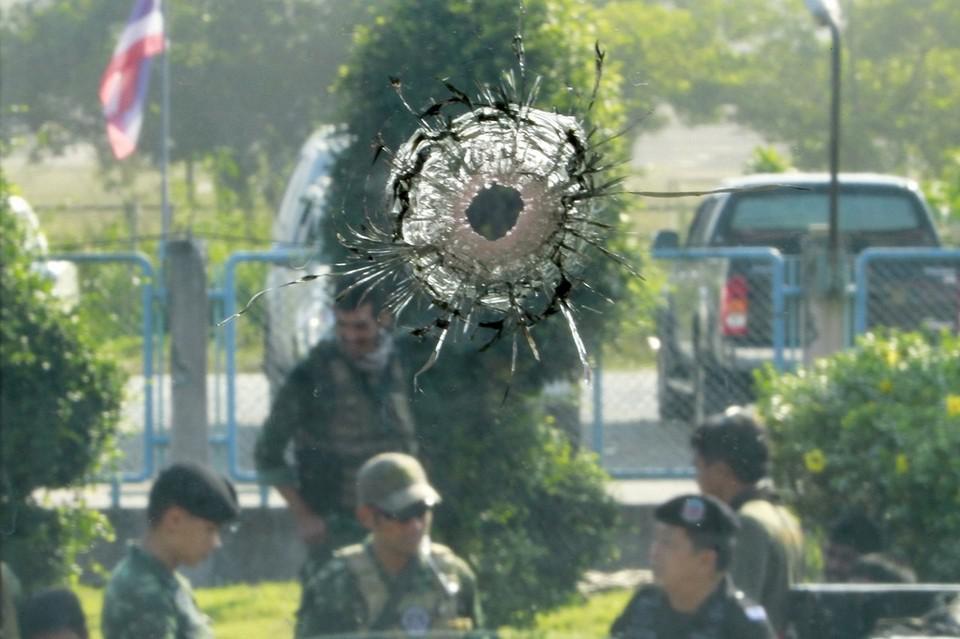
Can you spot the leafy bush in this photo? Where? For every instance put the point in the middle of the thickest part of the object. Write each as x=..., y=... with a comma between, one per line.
x=59, y=403
x=766, y=159
x=877, y=427
x=529, y=511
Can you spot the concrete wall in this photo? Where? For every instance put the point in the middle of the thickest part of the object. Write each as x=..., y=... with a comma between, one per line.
x=264, y=546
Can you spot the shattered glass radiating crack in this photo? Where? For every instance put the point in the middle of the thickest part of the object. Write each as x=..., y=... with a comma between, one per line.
x=490, y=216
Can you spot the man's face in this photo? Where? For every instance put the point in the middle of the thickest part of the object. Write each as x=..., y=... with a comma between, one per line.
x=674, y=560
x=401, y=535
x=357, y=331
x=193, y=537
x=708, y=475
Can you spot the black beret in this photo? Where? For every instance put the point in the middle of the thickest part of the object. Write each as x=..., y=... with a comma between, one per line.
x=198, y=490
x=698, y=513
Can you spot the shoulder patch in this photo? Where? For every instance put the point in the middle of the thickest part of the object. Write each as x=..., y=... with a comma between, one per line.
x=755, y=613
x=348, y=551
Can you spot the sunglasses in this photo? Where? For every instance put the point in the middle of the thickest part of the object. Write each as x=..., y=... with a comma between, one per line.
x=418, y=510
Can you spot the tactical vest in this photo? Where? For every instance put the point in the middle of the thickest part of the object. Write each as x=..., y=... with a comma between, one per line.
x=357, y=419
x=432, y=606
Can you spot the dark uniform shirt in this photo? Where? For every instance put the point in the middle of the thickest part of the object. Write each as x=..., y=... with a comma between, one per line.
x=726, y=614
x=146, y=600
x=351, y=593
x=337, y=416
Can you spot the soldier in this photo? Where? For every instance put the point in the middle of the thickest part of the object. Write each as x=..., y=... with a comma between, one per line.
x=731, y=458
x=397, y=580
x=343, y=404
x=692, y=595
x=146, y=598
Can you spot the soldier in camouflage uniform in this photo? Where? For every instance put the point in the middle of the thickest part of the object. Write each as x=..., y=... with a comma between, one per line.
x=693, y=597
x=397, y=582
x=146, y=598
x=344, y=403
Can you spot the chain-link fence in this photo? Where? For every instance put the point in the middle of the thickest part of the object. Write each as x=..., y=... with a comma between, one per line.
x=257, y=351
x=911, y=289
x=725, y=313
x=114, y=295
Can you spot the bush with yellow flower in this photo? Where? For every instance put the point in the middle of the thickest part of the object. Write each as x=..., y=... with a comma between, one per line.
x=876, y=427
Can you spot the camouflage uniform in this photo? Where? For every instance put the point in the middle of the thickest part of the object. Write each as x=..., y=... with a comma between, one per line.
x=353, y=594
x=337, y=416
x=146, y=600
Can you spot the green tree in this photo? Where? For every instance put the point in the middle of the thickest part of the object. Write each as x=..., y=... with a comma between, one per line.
x=249, y=81
x=670, y=55
x=943, y=191
x=900, y=85
x=766, y=159
x=59, y=404
x=527, y=508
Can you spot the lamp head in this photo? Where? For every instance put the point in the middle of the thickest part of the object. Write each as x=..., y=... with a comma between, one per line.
x=825, y=12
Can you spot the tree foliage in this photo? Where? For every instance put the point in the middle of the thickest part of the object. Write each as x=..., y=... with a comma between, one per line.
x=669, y=55
x=59, y=404
x=249, y=80
x=876, y=428
x=900, y=85
x=525, y=506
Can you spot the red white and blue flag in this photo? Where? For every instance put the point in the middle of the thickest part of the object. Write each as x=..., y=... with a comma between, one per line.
x=123, y=87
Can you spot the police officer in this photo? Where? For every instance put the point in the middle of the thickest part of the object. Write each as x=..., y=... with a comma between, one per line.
x=146, y=597
x=397, y=580
x=692, y=595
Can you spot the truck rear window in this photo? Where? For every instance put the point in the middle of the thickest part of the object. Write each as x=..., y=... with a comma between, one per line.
x=870, y=211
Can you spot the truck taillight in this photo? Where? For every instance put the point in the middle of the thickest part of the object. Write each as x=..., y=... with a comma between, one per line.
x=734, y=307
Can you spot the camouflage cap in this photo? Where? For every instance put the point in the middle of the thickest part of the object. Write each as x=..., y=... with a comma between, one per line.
x=700, y=513
x=393, y=481
x=198, y=490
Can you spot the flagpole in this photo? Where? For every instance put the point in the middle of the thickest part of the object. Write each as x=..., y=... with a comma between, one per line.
x=166, y=213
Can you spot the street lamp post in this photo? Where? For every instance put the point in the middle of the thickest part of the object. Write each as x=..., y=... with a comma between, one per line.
x=827, y=13
x=827, y=273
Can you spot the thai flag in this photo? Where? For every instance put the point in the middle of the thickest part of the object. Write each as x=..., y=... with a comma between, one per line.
x=123, y=87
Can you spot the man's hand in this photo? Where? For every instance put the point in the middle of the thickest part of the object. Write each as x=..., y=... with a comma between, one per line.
x=311, y=528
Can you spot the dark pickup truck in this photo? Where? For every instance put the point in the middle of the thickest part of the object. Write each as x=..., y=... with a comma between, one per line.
x=715, y=326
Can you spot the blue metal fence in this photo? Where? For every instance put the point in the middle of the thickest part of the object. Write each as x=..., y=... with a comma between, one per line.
x=149, y=328
x=229, y=298
x=599, y=418
x=669, y=438
x=780, y=288
x=601, y=410
x=927, y=281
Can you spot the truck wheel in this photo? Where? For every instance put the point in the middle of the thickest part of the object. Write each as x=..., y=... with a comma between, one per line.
x=671, y=404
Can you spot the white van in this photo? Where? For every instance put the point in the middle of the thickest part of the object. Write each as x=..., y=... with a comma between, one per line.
x=300, y=316
x=61, y=273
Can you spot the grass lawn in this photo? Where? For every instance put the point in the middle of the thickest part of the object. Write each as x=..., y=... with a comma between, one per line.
x=267, y=610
